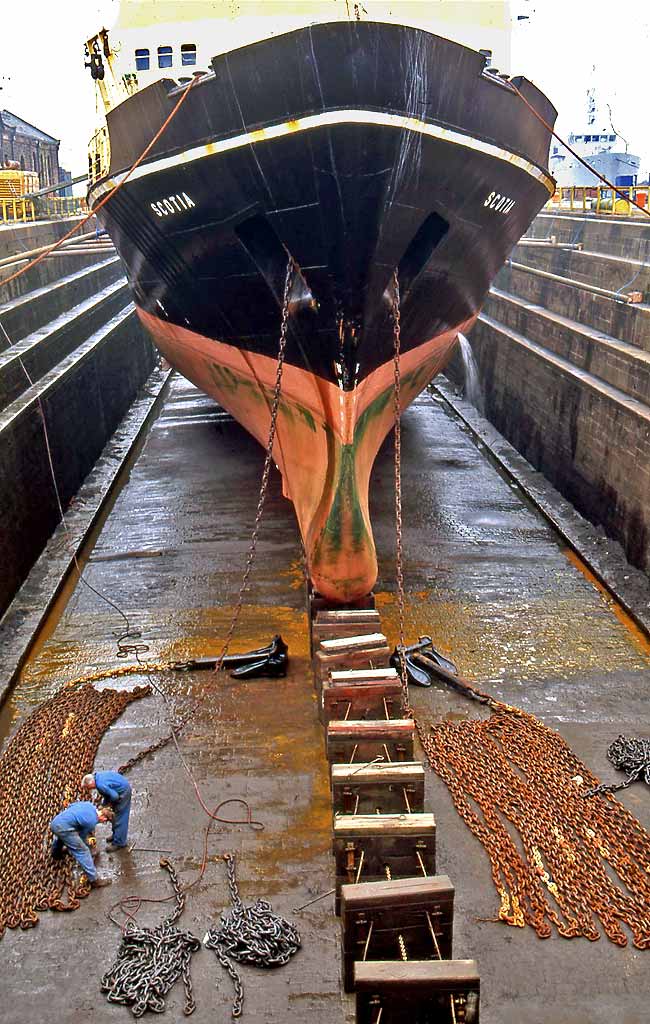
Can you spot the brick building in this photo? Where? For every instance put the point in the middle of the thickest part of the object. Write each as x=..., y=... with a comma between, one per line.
x=29, y=148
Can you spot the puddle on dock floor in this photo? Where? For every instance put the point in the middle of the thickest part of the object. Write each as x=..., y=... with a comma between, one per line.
x=497, y=594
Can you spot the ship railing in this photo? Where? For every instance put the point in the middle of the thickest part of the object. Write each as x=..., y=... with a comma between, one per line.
x=600, y=199
x=19, y=209
x=16, y=209
x=52, y=207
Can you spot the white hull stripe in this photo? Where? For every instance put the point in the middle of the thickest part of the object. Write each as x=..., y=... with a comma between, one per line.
x=324, y=119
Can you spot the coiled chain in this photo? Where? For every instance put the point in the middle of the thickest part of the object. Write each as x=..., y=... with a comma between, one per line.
x=150, y=961
x=250, y=935
x=40, y=774
x=629, y=755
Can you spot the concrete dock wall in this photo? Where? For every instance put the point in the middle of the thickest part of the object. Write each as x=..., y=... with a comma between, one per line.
x=566, y=372
x=77, y=351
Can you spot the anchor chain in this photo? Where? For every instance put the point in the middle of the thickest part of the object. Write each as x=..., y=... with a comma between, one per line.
x=250, y=935
x=40, y=774
x=156, y=667
x=399, y=571
x=150, y=961
x=577, y=861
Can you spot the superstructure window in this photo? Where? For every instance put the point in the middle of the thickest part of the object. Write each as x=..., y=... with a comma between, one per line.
x=165, y=56
x=612, y=138
x=142, y=60
x=188, y=54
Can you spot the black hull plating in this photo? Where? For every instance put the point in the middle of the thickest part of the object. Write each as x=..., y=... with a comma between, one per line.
x=348, y=201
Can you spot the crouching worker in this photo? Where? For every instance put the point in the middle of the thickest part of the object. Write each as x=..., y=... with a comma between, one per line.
x=116, y=792
x=70, y=829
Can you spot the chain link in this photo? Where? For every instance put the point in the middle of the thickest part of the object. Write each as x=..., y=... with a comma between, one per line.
x=250, y=935
x=399, y=571
x=275, y=406
x=40, y=774
x=576, y=859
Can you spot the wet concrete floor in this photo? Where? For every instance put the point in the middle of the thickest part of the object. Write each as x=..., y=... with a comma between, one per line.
x=485, y=576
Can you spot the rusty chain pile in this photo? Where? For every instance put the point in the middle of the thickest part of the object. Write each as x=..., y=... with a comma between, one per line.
x=250, y=935
x=576, y=861
x=40, y=774
x=150, y=961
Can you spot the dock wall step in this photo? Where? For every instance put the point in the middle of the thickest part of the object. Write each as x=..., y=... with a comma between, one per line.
x=26, y=314
x=601, y=234
x=617, y=318
x=615, y=362
x=590, y=439
x=42, y=350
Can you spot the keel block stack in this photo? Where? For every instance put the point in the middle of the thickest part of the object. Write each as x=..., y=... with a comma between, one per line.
x=397, y=915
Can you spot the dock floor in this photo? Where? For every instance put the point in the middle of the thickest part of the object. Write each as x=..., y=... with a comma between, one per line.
x=486, y=577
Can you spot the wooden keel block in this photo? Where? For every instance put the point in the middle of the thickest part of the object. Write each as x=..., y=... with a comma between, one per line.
x=348, y=677
x=377, y=847
x=347, y=615
x=393, y=788
x=318, y=603
x=331, y=625
x=363, y=641
x=364, y=740
x=360, y=700
x=371, y=658
x=336, y=624
x=377, y=916
x=416, y=992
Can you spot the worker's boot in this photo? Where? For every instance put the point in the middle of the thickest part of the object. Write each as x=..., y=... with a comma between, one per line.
x=100, y=882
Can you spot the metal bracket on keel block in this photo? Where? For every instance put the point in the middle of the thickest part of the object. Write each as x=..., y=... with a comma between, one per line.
x=387, y=920
x=440, y=991
x=377, y=699
x=391, y=788
x=368, y=739
x=378, y=847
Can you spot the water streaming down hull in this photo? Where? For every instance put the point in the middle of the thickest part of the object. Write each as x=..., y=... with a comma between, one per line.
x=351, y=174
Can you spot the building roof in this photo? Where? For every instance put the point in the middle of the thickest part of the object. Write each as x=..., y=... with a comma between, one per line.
x=24, y=127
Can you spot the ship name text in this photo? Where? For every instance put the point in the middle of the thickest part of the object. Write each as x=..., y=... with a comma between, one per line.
x=502, y=204
x=172, y=204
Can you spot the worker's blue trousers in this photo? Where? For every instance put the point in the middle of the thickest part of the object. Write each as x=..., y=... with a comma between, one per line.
x=122, y=808
x=75, y=845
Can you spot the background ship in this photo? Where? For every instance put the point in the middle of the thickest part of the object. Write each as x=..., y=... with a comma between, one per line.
x=601, y=146
x=353, y=144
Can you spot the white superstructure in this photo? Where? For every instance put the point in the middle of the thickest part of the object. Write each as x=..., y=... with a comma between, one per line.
x=600, y=146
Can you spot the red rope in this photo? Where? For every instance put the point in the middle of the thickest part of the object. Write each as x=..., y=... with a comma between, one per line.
x=577, y=155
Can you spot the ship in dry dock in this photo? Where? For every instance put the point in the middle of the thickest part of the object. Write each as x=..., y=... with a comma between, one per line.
x=354, y=145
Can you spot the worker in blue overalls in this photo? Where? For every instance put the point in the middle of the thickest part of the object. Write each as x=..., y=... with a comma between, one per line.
x=116, y=791
x=71, y=828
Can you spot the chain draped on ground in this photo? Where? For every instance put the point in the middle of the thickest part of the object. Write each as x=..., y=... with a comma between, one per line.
x=250, y=935
x=59, y=741
x=40, y=773
x=150, y=961
x=558, y=860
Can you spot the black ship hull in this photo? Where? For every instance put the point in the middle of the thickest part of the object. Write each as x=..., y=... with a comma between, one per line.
x=355, y=150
